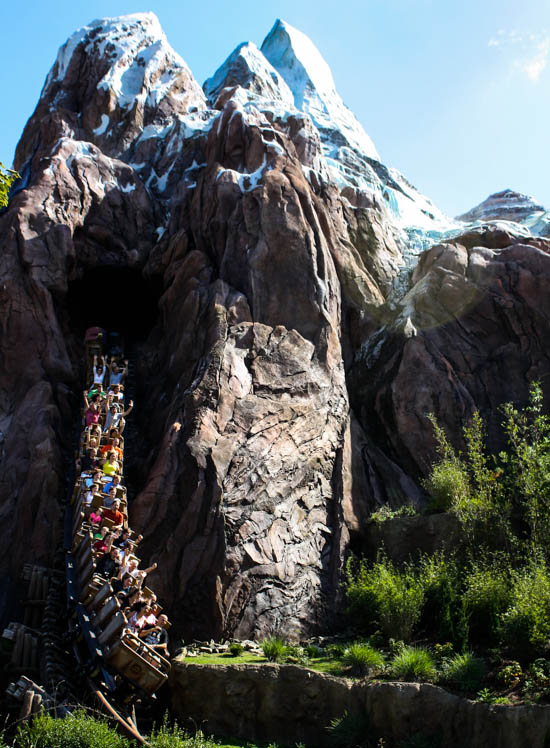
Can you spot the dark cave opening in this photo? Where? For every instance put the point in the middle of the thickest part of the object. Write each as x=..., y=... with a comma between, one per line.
x=121, y=301
x=117, y=299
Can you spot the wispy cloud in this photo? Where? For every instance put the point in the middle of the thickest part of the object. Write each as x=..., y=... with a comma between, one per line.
x=531, y=52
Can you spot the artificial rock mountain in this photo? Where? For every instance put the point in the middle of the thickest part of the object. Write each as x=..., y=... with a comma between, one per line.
x=313, y=307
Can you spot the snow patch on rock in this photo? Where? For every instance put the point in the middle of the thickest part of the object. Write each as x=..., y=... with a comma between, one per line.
x=309, y=78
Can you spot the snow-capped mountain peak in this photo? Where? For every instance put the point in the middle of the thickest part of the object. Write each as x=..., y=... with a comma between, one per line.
x=308, y=76
x=247, y=67
x=133, y=59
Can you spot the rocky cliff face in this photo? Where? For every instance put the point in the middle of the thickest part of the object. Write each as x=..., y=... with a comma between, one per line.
x=286, y=378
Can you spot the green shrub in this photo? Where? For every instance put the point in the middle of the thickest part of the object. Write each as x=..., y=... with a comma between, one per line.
x=525, y=625
x=440, y=578
x=386, y=512
x=236, y=649
x=336, y=651
x=295, y=654
x=349, y=731
x=362, y=658
x=464, y=671
x=274, y=649
x=537, y=680
x=77, y=730
x=312, y=650
x=386, y=596
x=448, y=486
x=486, y=595
x=413, y=664
x=510, y=675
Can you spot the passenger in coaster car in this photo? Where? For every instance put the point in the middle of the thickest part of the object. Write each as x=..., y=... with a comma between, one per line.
x=113, y=514
x=109, y=497
x=103, y=545
x=96, y=518
x=99, y=371
x=116, y=392
x=112, y=446
x=89, y=461
x=108, y=565
x=111, y=465
x=123, y=588
x=155, y=635
x=113, y=483
x=114, y=417
x=93, y=409
x=116, y=374
x=138, y=618
x=124, y=541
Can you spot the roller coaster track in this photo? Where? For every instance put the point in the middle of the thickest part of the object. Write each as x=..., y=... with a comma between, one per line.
x=75, y=637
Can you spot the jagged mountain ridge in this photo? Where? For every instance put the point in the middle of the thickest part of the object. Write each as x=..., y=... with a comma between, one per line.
x=285, y=395
x=512, y=207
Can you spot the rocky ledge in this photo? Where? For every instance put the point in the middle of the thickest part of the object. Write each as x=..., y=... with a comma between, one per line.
x=288, y=703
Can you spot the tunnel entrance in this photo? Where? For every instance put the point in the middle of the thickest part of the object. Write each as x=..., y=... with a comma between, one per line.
x=117, y=299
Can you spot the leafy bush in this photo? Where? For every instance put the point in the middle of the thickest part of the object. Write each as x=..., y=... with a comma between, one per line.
x=295, y=654
x=440, y=579
x=274, y=649
x=448, y=485
x=464, y=671
x=386, y=512
x=386, y=596
x=236, y=649
x=537, y=679
x=413, y=664
x=511, y=674
x=77, y=730
x=486, y=595
x=336, y=651
x=525, y=625
x=349, y=731
x=173, y=736
x=362, y=658
x=312, y=650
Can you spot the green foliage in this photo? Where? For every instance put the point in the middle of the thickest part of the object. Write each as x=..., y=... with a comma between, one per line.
x=7, y=177
x=510, y=675
x=525, y=625
x=443, y=651
x=312, y=650
x=295, y=654
x=349, y=731
x=362, y=658
x=486, y=696
x=448, y=486
x=274, y=649
x=173, y=736
x=440, y=579
x=413, y=664
x=537, y=680
x=527, y=465
x=336, y=651
x=485, y=597
x=236, y=649
x=464, y=671
x=77, y=730
x=382, y=595
x=386, y=512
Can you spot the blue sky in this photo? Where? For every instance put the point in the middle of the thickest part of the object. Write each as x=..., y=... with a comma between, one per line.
x=454, y=93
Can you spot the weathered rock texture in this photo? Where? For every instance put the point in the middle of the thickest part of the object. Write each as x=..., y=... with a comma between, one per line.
x=289, y=704
x=253, y=468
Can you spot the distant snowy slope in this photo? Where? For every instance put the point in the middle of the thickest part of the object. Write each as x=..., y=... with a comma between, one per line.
x=309, y=78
